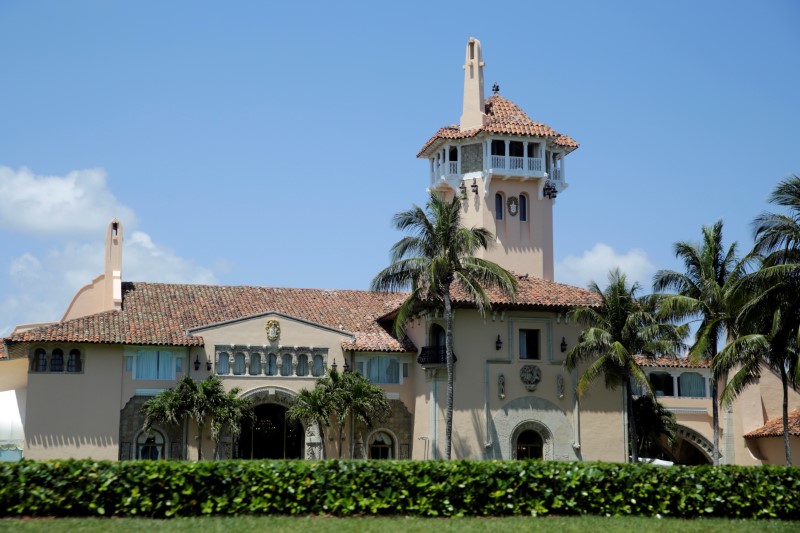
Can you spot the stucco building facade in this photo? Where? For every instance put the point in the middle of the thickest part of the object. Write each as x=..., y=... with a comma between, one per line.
x=76, y=386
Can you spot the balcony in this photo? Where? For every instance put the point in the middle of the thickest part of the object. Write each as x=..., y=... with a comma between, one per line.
x=519, y=165
x=432, y=356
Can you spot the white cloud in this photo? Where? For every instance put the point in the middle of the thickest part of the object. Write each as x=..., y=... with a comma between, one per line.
x=78, y=203
x=43, y=287
x=594, y=265
x=74, y=210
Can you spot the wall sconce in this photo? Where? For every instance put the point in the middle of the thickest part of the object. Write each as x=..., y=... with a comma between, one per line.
x=498, y=343
x=334, y=366
x=563, y=344
x=463, y=189
x=346, y=366
x=474, y=186
x=208, y=365
x=197, y=363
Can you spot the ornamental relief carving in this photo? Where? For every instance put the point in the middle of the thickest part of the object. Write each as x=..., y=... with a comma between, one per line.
x=530, y=375
x=273, y=329
x=513, y=205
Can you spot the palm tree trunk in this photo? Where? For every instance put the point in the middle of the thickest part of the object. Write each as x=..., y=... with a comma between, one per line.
x=634, y=437
x=785, y=384
x=448, y=419
x=715, y=418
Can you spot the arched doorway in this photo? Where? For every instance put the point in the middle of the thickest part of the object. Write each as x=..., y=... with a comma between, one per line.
x=530, y=445
x=150, y=445
x=381, y=445
x=270, y=436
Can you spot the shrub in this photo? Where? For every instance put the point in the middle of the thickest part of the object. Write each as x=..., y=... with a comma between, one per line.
x=435, y=488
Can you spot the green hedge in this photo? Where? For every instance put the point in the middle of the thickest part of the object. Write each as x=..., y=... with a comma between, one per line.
x=437, y=488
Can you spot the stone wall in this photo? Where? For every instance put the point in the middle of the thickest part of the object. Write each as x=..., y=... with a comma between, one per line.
x=131, y=421
x=471, y=158
x=399, y=424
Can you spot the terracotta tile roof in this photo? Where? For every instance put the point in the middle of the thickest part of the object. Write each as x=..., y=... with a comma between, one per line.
x=161, y=314
x=3, y=349
x=504, y=117
x=671, y=362
x=538, y=293
x=774, y=427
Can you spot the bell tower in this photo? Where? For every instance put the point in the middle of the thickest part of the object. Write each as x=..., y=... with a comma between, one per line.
x=507, y=169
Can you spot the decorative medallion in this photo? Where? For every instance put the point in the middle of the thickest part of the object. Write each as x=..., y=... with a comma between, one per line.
x=530, y=375
x=513, y=205
x=273, y=330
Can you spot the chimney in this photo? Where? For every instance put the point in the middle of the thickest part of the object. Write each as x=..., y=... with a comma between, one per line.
x=472, y=116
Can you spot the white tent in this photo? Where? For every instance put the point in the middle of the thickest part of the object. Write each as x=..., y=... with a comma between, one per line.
x=12, y=414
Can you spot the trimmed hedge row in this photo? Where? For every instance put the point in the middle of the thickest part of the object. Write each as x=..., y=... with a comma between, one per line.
x=436, y=488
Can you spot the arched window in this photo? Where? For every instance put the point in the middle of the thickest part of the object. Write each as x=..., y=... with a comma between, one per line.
x=74, y=363
x=39, y=360
x=223, y=364
x=523, y=208
x=381, y=446
x=318, y=369
x=498, y=206
x=238, y=364
x=302, y=365
x=530, y=445
x=691, y=384
x=272, y=365
x=150, y=445
x=437, y=335
x=255, y=364
x=286, y=364
x=662, y=384
x=57, y=360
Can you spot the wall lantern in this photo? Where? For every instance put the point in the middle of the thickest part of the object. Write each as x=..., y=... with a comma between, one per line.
x=346, y=366
x=208, y=365
x=498, y=343
x=463, y=190
x=474, y=186
x=563, y=344
x=334, y=366
x=197, y=363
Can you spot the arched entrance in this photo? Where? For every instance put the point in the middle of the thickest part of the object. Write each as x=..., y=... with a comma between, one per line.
x=530, y=445
x=270, y=436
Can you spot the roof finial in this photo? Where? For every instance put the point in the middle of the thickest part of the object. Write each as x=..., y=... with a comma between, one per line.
x=495, y=88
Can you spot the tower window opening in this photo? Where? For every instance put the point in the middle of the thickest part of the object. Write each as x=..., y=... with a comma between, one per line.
x=498, y=147
x=523, y=208
x=453, y=153
x=472, y=50
x=533, y=150
x=114, y=229
x=498, y=206
x=516, y=149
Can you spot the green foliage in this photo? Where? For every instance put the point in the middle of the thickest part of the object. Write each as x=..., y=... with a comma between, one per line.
x=653, y=421
x=336, y=397
x=426, y=489
x=205, y=402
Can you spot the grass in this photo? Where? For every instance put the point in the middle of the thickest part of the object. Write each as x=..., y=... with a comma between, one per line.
x=278, y=524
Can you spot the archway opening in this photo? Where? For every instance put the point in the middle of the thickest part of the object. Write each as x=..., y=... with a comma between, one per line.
x=150, y=445
x=270, y=436
x=530, y=445
x=686, y=453
x=381, y=446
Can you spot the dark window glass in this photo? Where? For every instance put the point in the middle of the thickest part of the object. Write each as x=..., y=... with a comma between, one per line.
x=523, y=208
x=662, y=384
x=74, y=361
x=40, y=361
x=498, y=148
x=57, y=361
x=529, y=344
x=498, y=206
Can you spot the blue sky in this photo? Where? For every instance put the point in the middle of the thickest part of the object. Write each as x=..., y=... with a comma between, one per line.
x=269, y=143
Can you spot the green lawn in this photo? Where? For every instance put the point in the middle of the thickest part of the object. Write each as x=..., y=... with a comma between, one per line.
x=276, y=524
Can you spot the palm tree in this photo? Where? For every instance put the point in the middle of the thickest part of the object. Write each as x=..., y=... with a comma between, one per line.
x=227, y=414
x=653, y=421
x=339, y=396
x=196, y=401
x=704, y=292
x=438, y=256
x=622, y=328
x=313, y=406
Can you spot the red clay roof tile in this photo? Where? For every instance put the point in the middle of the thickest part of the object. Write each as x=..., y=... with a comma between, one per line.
x=774, y=427
x=670, y=362
x=504, y=117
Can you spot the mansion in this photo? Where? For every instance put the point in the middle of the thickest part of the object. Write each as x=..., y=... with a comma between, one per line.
x=75, y=388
